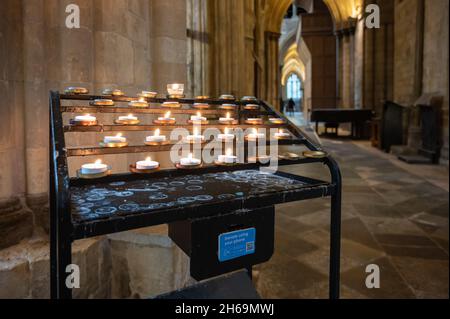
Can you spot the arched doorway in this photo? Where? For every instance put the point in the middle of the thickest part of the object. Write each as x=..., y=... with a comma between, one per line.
x=308, y=48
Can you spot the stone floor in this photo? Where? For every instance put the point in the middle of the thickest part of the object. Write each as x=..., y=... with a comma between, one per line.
x=394, y=216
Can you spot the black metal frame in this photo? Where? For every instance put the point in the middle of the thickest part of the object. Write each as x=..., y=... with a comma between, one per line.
x=64, y=230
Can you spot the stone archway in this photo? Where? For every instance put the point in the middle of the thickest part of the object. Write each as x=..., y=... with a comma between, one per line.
x=297, y=59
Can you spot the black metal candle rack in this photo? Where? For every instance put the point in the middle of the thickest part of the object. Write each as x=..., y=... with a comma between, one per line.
x=197, y=204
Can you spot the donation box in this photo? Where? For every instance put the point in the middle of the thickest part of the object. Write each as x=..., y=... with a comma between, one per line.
x=225, y=243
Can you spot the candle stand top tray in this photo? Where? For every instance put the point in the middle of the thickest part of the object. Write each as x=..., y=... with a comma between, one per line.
x=83, y=208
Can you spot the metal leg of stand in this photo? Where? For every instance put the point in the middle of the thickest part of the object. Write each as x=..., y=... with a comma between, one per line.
x=335, y=231
x=64, y=259
x=53, y=240
x=250, y=272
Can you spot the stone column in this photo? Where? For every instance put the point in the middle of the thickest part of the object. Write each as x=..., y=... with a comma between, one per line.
x=379, y=61
x=272, y=69
x=228, y=50
x=197, y=48
x=359, y=65
x=347, y=62
x=16, y=221
x=168, y=43
x=339, y=68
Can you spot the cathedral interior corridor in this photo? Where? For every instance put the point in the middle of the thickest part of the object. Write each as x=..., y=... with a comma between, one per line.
x=224, y=149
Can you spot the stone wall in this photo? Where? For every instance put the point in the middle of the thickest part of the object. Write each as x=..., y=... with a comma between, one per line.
x=128, y=44
x=435, y=59
x=139, y=264
x=378, y=59
x=421, y=59
x=406, y=54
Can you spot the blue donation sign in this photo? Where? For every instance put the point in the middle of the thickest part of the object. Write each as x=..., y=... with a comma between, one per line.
x=236, y=244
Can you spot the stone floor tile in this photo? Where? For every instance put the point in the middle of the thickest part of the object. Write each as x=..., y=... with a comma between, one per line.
x=381, y=225
x=294, y=277
x=424, y=252
x=289, y=224
x=392, y=285
x=291, y=245
x=355, y=230
x=428, y=278
x=377, y=210
x=391, y=216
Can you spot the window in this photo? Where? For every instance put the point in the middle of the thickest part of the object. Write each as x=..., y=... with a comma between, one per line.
x=294, y=90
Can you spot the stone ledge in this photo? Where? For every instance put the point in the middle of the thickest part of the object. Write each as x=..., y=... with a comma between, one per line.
x=16, y=222
x=135, y=264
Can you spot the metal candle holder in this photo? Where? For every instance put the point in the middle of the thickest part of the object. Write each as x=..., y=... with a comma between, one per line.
x=113, y=145
x=134, y=170
x=94, y=176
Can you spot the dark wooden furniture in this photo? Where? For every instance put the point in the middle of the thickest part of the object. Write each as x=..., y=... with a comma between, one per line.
x=392, y=128
x=83, y=208
x=334, y=117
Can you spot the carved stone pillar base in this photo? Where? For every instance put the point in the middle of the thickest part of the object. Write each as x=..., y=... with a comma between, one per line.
x=16, y=222
x=40, y=207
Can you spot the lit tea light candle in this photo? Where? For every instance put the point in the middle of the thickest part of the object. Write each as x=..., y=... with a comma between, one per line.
x=249, y=98
x=228, y=106
x=85, y=118
x=102, y=102
x=255, y=121
x=112, y=92
x=171, y=104
x=147, y=164
x=226, y=136
x=76, y=90
x=94, y=168
x=166, y=118
x=156, y=138
x=201, y=106
x=251, y=107
x=260, y=158
x=129, y=117
x=276, y=121
x=118, y=92
x=227, y=97
x=282, y=134
x=228, y=158
x=227, y=119
x=255, y=135
x=139, y=103
x=198, y=118
x=114, y=139
x=175, y=89
x=196, y=137
x=190, y=161
x=148, y=94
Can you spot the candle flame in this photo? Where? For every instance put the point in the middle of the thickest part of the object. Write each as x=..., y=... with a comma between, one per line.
x=157, y=132
x=229, y=152
x=148, y=159
x=130, y=115
x=228, y=115
x=119, y=135
x=199, y=114
x=255, y=131
x=280, y=131
x=167, y=115
x=142, y=99
x=99, y=161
